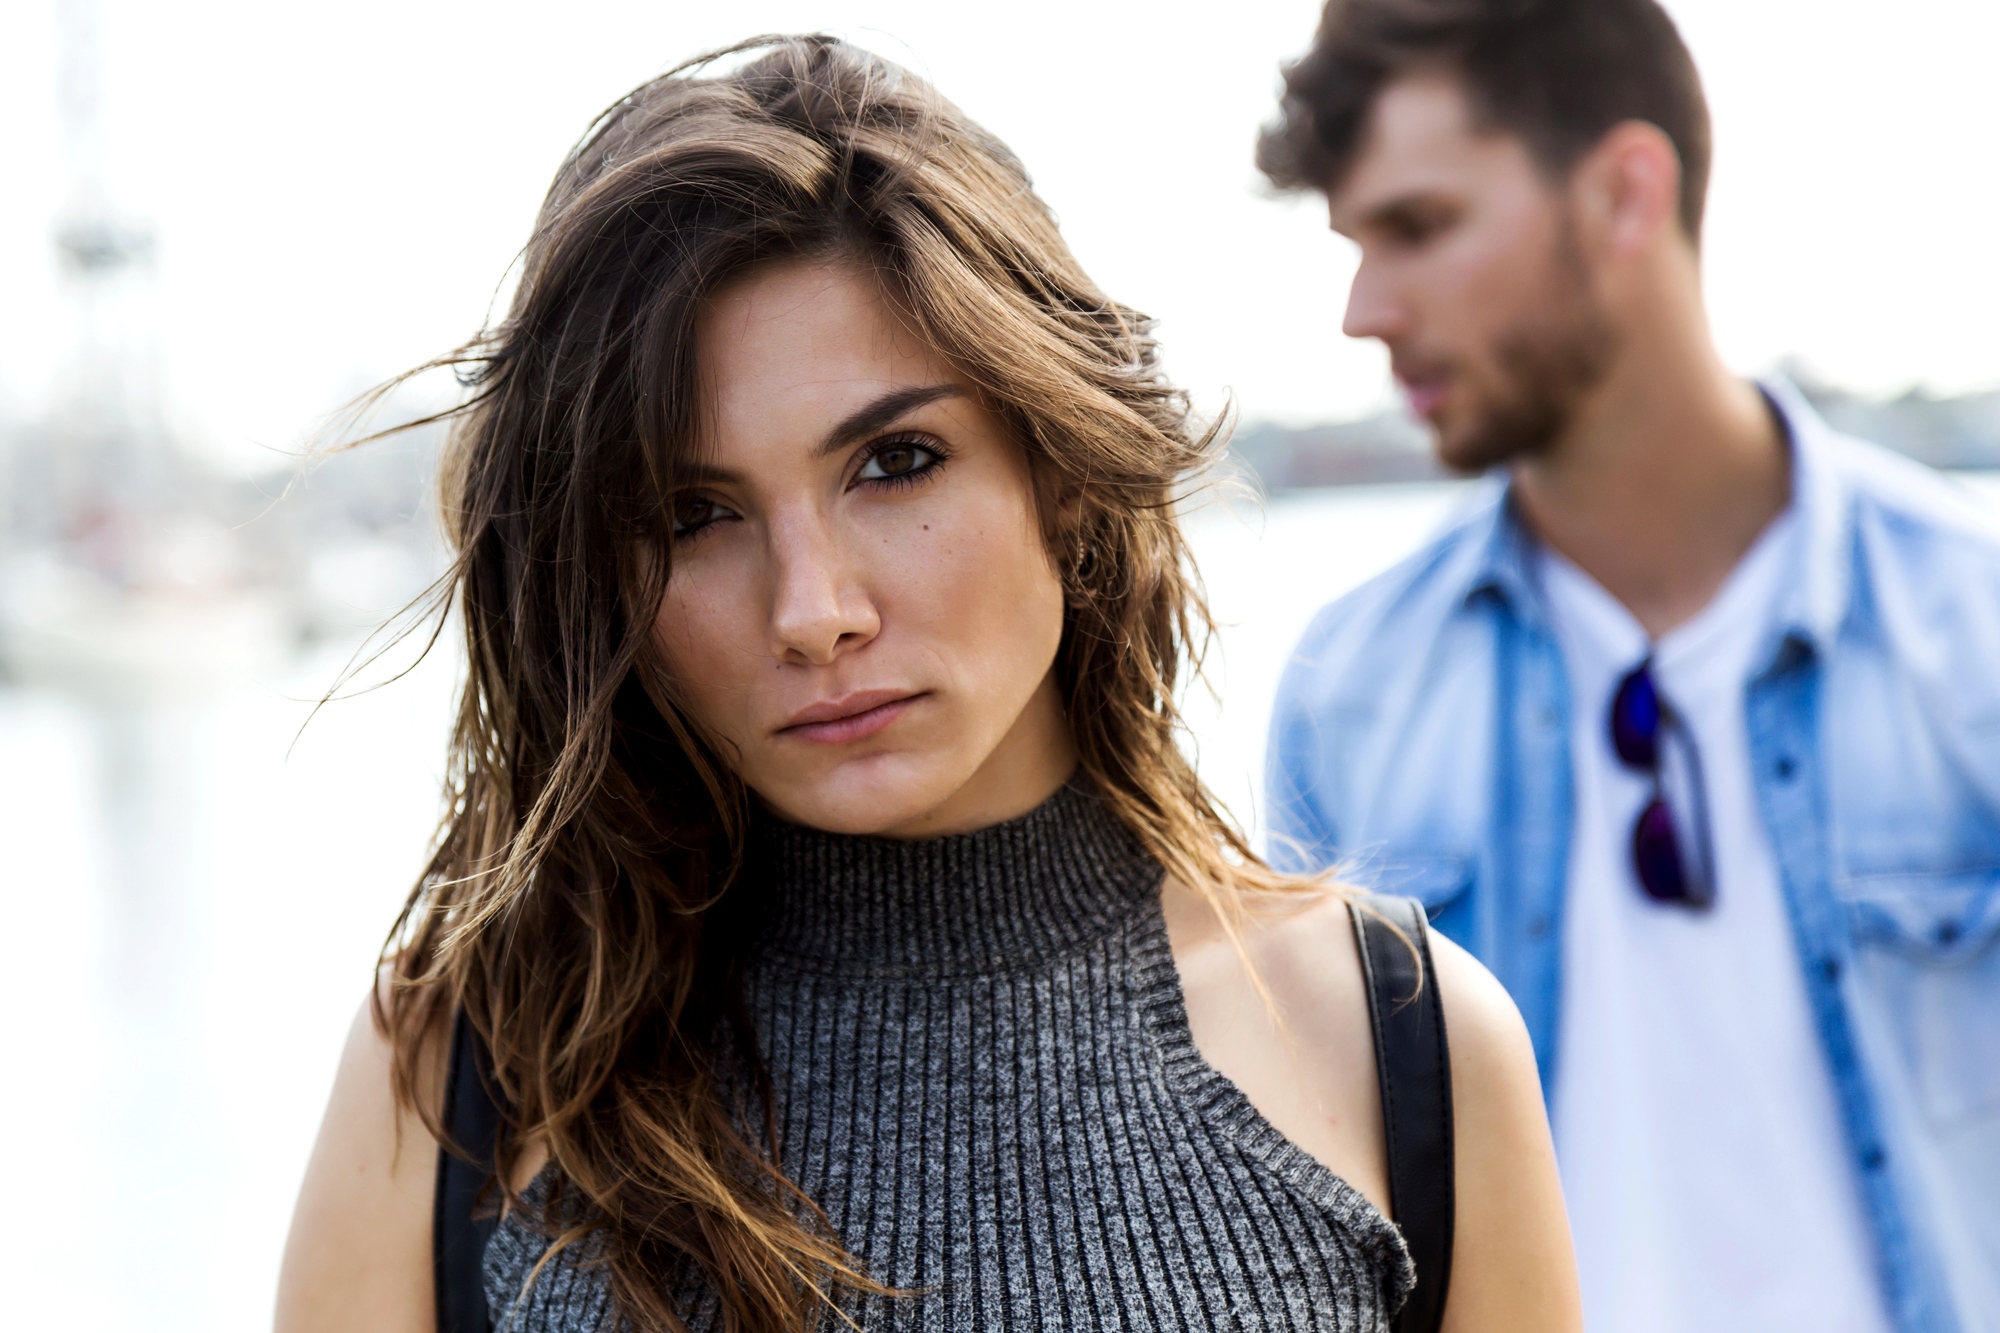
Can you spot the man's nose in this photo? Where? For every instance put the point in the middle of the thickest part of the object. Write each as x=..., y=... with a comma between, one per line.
x=1375, y=309
x=821, y=606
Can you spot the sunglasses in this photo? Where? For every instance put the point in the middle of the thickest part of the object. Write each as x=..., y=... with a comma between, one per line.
x=1670, y=854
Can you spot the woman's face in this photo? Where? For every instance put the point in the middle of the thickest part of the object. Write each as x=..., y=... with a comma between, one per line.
x=861, y=607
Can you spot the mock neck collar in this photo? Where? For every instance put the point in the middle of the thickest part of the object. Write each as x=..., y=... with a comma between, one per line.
x=1015, y=895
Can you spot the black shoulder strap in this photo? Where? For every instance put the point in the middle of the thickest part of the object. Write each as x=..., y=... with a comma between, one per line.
x=1414, y=1066
x=458, y=1237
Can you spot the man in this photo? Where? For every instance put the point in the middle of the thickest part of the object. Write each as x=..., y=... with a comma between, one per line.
x=1690, y=727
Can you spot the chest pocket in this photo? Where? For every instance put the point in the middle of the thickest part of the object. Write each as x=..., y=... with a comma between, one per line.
x=1930, y=951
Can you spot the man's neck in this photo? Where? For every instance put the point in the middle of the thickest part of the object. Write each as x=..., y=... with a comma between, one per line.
x=1664, y=480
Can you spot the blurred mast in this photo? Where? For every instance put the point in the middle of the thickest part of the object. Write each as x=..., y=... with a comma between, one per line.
x=106, y=442
x=124, y=575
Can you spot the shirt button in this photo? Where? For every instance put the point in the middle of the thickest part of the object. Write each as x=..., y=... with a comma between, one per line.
x=1784, y=768
x=1538, y=926
x=1873, y=1159
x=1830, y=968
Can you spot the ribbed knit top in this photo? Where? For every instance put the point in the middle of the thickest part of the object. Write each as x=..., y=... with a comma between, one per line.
x=985, y=1077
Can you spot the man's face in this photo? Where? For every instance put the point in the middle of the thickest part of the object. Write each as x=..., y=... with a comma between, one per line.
x=1470, y=275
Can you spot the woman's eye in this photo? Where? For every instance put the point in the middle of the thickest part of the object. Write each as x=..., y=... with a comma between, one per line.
x=693, y=513
x=897, y=460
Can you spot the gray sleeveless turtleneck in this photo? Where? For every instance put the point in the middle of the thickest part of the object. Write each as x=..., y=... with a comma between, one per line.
x=985, y=1077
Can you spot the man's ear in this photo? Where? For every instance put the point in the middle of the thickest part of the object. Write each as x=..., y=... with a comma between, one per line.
x=1627, y=190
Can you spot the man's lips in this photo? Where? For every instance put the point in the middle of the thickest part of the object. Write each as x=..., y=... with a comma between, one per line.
x=1426, y=394
x=851, y=717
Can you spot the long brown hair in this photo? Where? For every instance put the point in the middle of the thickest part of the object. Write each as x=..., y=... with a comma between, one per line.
x=577, y=908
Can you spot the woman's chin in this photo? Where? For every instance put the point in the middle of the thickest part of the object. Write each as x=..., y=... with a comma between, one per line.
x=896, y=795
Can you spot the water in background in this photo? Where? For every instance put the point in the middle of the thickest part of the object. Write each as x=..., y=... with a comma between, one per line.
x=194, y=891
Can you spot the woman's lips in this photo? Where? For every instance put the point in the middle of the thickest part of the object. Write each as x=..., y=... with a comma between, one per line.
x=852, y=717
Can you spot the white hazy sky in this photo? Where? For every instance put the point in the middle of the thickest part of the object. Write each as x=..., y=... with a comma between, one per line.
x=337, y=190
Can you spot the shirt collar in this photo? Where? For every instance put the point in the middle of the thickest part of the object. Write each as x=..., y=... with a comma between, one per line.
x=1505, y=568
x=1813, y=604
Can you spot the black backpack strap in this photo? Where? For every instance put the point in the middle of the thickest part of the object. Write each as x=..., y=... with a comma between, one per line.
x=458, y=1235
x=1414, y=1066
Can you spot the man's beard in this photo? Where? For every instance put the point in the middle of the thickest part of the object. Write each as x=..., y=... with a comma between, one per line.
x=1548, y=362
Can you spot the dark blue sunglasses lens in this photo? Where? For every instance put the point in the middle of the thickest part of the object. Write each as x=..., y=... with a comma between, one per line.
x=1656, y=855
x=1635, y=720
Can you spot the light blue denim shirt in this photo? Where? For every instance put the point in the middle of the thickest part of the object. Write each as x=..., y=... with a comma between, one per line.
x=1421, y=741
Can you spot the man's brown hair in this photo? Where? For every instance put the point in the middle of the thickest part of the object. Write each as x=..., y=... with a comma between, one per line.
x=1557, y=73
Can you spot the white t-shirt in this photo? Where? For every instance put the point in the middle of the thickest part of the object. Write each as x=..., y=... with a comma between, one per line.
x=1709, y=1184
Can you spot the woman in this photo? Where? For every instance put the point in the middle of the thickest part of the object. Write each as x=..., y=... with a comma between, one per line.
x=841, y=929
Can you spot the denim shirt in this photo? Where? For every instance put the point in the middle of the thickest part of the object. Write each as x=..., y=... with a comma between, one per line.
x=1421, y=743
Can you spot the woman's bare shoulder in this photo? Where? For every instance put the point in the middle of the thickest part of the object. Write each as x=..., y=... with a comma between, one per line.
x=1294, y=1037
x=1310, y=1070
x=1483, y=1028
x=1513, y=1267
x=358, y=1253
x=1306, y=949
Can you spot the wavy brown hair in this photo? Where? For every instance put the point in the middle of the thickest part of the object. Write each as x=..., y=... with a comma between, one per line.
x=577, y=909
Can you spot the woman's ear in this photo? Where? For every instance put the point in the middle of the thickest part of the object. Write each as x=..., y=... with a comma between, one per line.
x=1068, y=520
x=1067, y=506
x=1068, y=539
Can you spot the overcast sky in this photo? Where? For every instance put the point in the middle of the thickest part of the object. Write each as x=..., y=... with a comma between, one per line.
x=337, y=190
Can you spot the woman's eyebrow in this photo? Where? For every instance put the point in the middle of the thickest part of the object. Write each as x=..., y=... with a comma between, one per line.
x=865, y=421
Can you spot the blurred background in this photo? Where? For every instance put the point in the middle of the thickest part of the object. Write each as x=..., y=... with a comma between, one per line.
x=223, y=220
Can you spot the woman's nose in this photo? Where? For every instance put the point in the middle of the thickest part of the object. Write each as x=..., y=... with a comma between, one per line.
x=821, y=606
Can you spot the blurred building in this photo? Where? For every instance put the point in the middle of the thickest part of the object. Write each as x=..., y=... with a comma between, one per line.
x=129, y=566
x=1955, y=433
